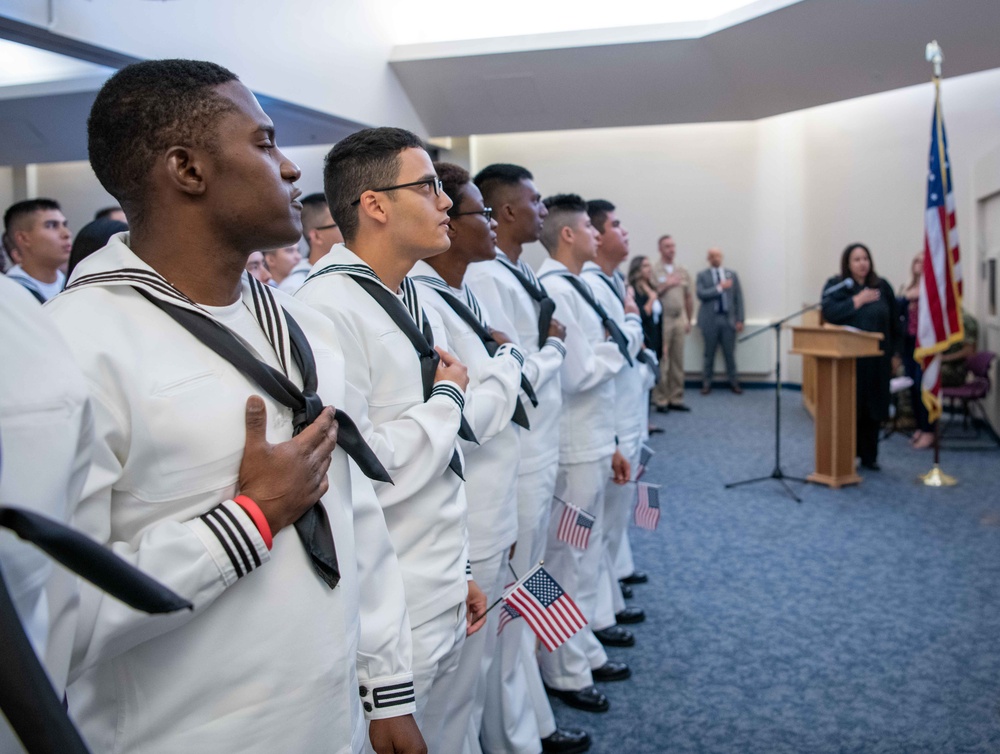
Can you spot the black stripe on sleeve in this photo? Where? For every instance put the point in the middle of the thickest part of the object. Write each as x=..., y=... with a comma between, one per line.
x=239, y=527
x=225, y=545
x=214, y=514
x=394, y=696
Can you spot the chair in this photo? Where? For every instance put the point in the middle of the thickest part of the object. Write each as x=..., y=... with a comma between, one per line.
x=975, y=389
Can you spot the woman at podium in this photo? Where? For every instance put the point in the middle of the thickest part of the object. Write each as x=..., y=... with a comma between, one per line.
x=859, y=298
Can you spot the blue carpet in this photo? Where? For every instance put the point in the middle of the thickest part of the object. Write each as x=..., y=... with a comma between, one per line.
x=866, y=619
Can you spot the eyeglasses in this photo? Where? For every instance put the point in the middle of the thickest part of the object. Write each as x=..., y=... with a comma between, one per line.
x=434, y=183
x=486, y=212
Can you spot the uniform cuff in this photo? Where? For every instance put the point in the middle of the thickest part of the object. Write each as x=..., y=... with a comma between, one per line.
x=388, y=697
x=232, y=538
x=508, y=348
x=450, y=390
x=557, y=344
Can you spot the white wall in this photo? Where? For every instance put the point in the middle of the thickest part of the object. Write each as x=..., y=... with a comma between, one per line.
x=781, y=196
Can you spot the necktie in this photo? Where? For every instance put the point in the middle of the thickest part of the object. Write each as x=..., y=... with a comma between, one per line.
x=26, y=695
x=313, y=527
x=422, y=342
x=720, y=306
x=536, y=290
x=609, y=324
x=617, y=287
x=520, y=416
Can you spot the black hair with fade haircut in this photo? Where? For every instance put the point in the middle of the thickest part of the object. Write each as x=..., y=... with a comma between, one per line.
x=363, y=161
x=453, y=178
x=20, y=210
x=313, y=208
x=492, y=179
x=106, y=212
x=562, y=210
x=145, y=108
x=599, y=209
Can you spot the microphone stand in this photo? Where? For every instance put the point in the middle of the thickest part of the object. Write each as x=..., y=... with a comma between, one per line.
x=776, y=474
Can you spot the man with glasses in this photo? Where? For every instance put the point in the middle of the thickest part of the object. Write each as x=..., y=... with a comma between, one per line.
x=387, y=200
x=491, y=466
x=320, y=232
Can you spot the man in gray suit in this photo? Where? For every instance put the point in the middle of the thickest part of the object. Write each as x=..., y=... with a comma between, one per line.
x=720, y=318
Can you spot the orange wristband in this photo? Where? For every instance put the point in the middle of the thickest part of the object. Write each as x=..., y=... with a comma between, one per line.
x=257, y=515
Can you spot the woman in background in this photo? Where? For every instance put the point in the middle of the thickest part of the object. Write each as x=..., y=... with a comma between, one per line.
x=867, y=304
x=909, y=296
x=640, y=277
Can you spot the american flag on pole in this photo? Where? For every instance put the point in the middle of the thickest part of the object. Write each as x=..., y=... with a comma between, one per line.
x=939, y=323
x=550, y=612
x=645, y=453
x=647, y=509
x=575, y=526
x=507, y=614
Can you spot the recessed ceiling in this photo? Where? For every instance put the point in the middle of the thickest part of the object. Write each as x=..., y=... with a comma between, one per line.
x=21, y=65
x=797, y=56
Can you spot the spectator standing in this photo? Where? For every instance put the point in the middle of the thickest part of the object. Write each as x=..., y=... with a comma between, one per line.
x=720, y=318
x=673, y=287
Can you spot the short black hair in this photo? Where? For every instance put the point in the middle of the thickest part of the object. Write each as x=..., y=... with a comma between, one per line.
x=313, y=207
x=145, y=108
x=598, y=209
x=363, y=161
x=453, y=179
x=101, y=214
x=492, y=179
x=562, y=210
x=20, y=210
x=92, y=236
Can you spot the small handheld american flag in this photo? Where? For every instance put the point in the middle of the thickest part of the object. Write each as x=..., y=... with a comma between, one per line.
x=546, y=608
x=645, y=453
x=647, y=509
x=507, y=614
x=575, y=526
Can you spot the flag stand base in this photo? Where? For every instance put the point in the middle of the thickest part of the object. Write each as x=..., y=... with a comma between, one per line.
x=937, y=478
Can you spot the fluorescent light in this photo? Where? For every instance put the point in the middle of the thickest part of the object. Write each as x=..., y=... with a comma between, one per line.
x=21, y=64
x=407, y=22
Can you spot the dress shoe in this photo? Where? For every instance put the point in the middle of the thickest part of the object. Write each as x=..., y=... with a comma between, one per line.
x=615, y=636
x=588, y=699
x=655, y=430
x=735, y=387
x=677, y=407
x=636, y=577
x=626, y=590
x=706, y=389
x=662, y=409
x=566, y=741
x=611, y=671
x=871, y=465
x=630, y=615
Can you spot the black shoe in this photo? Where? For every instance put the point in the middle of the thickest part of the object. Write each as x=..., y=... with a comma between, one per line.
x=636, y=577
x=588, y=699
x=611, y=671
x=655, y=430
x=630, y=615
x=871, y=465
x=735, y=387
x=626, y=590
x=615, y=636
x=662, y=409
x=677, y=407
x=567, y=741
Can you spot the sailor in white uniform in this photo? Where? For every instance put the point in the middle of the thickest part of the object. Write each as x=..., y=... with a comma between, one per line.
x=496, y=414
x=587, y=447
x=299, y=631
x=609, y=289
x=386, y=198
x=518, y=716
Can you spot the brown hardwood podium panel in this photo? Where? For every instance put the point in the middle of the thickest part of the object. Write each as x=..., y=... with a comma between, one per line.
x=833, y=351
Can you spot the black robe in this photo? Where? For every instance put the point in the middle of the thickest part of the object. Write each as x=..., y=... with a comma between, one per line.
x=873, y=373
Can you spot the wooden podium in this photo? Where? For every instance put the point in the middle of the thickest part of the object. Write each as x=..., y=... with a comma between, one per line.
x=834, y=350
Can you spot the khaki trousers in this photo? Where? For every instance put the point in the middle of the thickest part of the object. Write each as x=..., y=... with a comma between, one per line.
x=670, y=388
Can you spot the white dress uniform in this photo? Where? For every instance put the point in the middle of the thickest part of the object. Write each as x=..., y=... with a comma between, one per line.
x=46, y=428
x=296, y=277
x=517, y=712
x=586, y=445
x=491, y=488
x=425, y=509
x=271, y=658
x=630, y=399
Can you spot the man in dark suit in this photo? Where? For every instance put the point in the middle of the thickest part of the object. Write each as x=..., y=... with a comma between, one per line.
x=720, y=318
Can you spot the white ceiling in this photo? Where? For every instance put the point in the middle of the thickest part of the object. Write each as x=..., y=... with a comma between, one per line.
x=796, y=56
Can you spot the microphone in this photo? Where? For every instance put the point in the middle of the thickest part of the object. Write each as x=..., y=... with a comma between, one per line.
x=845, y=283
